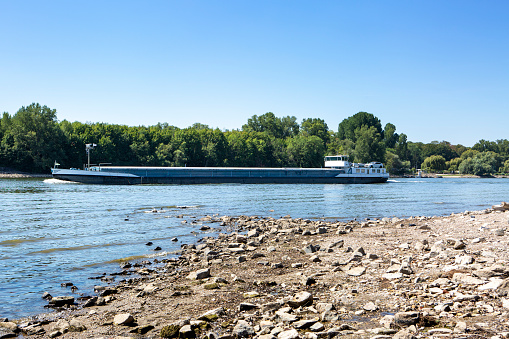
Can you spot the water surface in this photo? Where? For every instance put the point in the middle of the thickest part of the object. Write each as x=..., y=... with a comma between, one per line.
x=53, y=232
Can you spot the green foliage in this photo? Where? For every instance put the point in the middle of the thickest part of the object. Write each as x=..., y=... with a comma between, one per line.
x=505, y=169
x=453, y=165
x=394, y=164
x=482, y=164
x=33, y=139
x=272, y=125
x=305, y=151
x=390, y=135
x=316, y=127
x=442, y=148
x=434, y=163
x=348, y=127
x=369, y=146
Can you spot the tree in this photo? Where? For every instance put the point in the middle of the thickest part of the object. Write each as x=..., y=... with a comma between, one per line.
x=394, y=165
x=390, y=136
x=485, y=146
x=34, y=139
x=434, y=163
x=317, y=127
x=443, y=148
x=453, y=165
x=402, y=147
x=347, y=128
x=484, y=163
x=272, y=125
x=306, y=151
x=369, y=146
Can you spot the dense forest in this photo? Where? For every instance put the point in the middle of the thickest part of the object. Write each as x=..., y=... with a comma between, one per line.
x=33, y=139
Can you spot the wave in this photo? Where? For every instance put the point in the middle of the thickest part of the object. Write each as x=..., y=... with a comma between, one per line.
x=57, y=181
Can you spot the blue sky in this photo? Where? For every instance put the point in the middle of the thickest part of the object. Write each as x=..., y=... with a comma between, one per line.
x=438, y=70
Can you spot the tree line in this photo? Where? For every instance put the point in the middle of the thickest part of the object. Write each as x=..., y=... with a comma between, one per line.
x=33, y=139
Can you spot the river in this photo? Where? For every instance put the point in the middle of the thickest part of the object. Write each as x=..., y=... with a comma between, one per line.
x=53, y=232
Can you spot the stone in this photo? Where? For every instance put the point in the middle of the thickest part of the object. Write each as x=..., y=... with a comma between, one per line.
x=76, y=326
x=324, y=307
x=404, y=334
x=301, y=299
x=186, y=331
x=311, y=249
x=302, y=324
x=356, y=271
x=247, y=306
x=289, y=334
x=317, y=327
x=494, y=284
x=200, y=274
x=123, y=319
x=467, y=279
x=61, y=301
x=392, y=276
x=212, y=315
x=406, y=318
x=243, y=329
x=252, y=294
x=464, y=260
x=461, y=327
x=370, y=306
x=286, y=317
x=8, y=325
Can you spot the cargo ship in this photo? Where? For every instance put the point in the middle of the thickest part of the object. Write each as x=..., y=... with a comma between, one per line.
x=337, y=170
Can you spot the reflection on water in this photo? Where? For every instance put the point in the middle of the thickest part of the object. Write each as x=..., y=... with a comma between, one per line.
x=53, y=231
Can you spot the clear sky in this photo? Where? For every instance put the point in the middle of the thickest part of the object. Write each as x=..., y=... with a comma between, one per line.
x=438, y=70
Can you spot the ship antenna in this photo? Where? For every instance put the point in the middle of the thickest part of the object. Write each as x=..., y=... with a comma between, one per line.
x=88, y=148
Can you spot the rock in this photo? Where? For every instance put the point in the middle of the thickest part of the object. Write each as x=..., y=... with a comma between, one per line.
x=406, y=318
x=311, y=249
x=301, y=299
x=494, y=284
x=61, y=301
x=247, y=306
x=61, y=325
x=186, y=331
x=370, y=306
x=467, y=279
x=289, y=334
x=403, y=334
x=286, y=317
x=252, y=294
x=464, y=260
x=317, y=327
x=243, y=330
x=499, y=232
x=302, y=324
x=324, y=307
x=461, y=327
x=212, y=315
x=76, y=326
x=200, y=274
x=9, y=326
x=392, y=276
x=123, y=319
x=46, y=296
x=356, y=271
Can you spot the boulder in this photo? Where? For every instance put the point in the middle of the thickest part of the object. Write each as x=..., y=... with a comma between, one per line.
x=301, y=299
x=200, y=274
x=123, y=319
x=243, y=330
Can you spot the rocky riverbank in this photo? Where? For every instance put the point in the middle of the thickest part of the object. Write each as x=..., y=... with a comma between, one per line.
x=421, y=277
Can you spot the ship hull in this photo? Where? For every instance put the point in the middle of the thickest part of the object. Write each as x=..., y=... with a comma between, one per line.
x=186, y=176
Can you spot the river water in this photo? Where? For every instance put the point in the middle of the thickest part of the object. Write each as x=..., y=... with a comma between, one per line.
x=53, y=232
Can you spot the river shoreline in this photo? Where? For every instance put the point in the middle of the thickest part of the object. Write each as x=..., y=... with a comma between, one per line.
x=290, y=278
